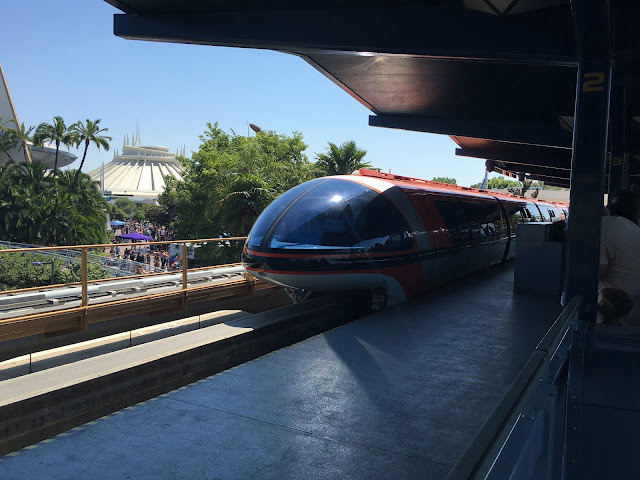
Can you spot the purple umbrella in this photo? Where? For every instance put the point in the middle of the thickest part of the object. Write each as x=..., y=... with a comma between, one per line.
x=135, y=236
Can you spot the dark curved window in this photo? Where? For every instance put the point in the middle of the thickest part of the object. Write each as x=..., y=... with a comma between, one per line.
x=275, y=210
x=338, y=214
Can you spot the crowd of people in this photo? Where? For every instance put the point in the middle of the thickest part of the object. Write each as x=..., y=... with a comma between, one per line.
x=140, y=258
x=156, y=232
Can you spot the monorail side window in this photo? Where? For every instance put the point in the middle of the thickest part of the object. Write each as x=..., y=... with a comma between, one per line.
x=534, y=212
x=488, y=218
x=472, y=221
x=517, y=214
x=548, y=213
x=456, y=219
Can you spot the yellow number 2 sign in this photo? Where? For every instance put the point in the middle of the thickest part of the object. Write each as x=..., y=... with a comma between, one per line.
x=593, y=82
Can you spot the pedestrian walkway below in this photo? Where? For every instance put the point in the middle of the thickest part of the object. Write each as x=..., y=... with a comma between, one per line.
x=398, y=394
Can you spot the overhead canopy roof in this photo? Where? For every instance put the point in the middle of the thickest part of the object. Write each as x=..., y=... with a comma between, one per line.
x=497, y=76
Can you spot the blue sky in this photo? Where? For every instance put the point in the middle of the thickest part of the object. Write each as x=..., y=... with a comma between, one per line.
x=61, y=58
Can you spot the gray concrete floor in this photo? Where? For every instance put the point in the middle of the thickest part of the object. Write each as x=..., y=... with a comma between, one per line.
x=396, y=395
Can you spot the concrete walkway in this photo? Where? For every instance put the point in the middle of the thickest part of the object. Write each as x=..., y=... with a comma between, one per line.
x=395, y=395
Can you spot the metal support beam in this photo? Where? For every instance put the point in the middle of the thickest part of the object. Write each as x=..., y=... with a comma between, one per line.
x=589, y=152
x=304, y=30
x=543, y=134
x=587, y=184
x=619, y=166
x=591, y=122
x=550, y=158
x=531, y=170
x=550, y=181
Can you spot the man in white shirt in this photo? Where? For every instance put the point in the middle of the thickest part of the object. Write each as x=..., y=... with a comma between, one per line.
x=620, y=251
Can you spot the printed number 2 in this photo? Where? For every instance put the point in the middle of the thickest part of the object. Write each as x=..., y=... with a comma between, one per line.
x=593, y=82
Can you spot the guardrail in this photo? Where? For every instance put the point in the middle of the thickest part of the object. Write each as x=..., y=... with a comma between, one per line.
x=119, y=268
x=66, y=320
x=523, y=437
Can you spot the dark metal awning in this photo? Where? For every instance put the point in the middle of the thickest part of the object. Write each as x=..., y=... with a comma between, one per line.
x=497, y=76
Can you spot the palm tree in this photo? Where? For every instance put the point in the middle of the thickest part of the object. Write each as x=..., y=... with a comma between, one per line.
x=242, y=200
x=41, y=209
x=5, y=141
x=23, y=136
x=341, y=160
x=87, y=132
x=53, y=132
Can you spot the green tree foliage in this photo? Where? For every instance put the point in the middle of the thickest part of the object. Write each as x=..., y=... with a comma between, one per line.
x=19, y=135
x=17, y=271
x=41, y=209
x=115, y=213
x=498, y=183
x=126, y=206
x=228, y=182
x=148, y=212
x=449, y=180
x=6, y=142
x=342, y=160
x=522, y=189
x=87, y=133
x=56, y=132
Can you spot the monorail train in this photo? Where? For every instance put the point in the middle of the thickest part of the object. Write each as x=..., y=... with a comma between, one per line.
x=372, y=230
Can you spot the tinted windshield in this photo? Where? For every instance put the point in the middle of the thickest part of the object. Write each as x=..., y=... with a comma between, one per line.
x=337, y=214
x=275, y=210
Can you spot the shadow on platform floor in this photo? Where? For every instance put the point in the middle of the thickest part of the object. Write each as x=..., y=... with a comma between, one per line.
x=397, y=394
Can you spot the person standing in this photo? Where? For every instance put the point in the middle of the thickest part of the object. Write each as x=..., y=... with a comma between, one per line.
x=620, y=252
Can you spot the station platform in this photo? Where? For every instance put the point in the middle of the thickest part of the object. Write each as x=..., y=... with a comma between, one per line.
x=397, y=394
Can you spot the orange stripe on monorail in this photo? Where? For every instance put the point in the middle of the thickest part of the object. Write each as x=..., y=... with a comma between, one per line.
x=335, y=255
x=401, y=180
x=328, y=272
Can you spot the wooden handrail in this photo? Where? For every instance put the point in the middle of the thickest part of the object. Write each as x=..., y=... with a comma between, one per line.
x=86, y=308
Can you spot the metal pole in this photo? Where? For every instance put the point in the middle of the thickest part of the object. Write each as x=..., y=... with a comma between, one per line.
x=619, y=166
x=184, y=266
x=52, y=272
x=590, y=129
x=85, y=277
x=85, y=292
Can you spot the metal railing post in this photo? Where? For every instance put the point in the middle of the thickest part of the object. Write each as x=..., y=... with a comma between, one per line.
x=85, y=293
x=184, y=266
x=184, y=275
